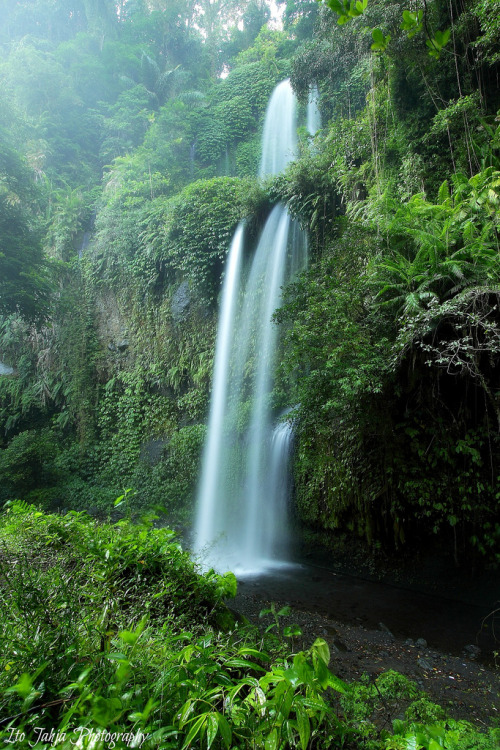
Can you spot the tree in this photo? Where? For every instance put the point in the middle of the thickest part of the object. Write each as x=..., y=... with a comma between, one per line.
x=24, y=278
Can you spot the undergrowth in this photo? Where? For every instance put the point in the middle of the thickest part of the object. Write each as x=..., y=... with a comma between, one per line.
x=112, y=638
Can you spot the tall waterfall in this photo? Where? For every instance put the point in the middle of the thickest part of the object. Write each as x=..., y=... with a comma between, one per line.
x=279, y=140
x=213, y=459
x=275, y=521
x=241, y=520
x=313, y=113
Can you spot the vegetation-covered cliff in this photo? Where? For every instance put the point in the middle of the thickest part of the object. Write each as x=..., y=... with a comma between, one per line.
x=130, y=145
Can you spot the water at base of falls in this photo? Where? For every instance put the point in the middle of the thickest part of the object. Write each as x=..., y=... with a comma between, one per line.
x=244, y=488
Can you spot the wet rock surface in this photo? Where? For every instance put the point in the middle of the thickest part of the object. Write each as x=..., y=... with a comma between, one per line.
x=181, y=300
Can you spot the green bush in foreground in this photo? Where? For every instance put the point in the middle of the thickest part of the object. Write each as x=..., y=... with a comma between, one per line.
x=111, y=638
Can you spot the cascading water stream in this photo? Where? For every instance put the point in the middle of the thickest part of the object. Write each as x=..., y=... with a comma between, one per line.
x=260, y=425
x=279, y=139
x=206, y=523
x=241, y=518
x=275, y=526
x=313, y=113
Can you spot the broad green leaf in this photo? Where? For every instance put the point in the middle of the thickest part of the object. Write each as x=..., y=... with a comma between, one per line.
x=117, y=657
x=254, y=652
x=212, y=728
x=229, y=585
x=106, y=710
x=186, y=710
x=442, y=37
x=293, y=676
x=303, y=726
x=24, y=686
x=336, y=6
x=287, y=702
x=337, y=684
x=291, y=630
x=322, y=673
x=243, y=663
x=380, y=41
x=320, y=647
x=272, y=740
x=260, y=696
x=225, y=730
x=444, y=192
x=197, y=729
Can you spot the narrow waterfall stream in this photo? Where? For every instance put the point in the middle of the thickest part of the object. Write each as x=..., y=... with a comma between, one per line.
x=313, y=113
x=241, y=521
x=207, y=527
x=279, y=139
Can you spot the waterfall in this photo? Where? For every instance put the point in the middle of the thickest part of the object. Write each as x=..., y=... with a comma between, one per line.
x=279, y=140
x=243, y=491
x=207, y=528
x=84, y=244
x=313, y=113
x=279, y=485
x=272, y=252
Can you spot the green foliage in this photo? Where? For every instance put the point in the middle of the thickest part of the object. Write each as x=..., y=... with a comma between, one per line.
x=380, y=41
x=67, y=615
x=455, y=244
x=126, y=122
x=391, y=344
x=180, y=470
x=412, y=23
x=27, y=463
x=108, y=631
x=300, y=17
x=392, y=142
x=451, y=735
x=488, y=15
x=192, y=232
x=365, y=366
x=347, y=10
x=25, y=284
x=141, y=676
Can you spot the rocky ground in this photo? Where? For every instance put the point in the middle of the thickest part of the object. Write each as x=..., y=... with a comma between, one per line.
x=458, y=674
